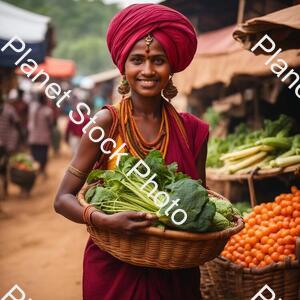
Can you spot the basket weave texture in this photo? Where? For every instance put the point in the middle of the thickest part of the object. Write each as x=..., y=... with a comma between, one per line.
x=158, y=248
x=224, y=280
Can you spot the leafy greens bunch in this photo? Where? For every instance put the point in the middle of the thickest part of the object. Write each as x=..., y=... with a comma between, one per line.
x=120, y=192
x=245, y=150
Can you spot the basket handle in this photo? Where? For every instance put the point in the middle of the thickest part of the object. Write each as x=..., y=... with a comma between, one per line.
x=217, y=195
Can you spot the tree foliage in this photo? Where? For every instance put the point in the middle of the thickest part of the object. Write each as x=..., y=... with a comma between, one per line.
x=80, y=29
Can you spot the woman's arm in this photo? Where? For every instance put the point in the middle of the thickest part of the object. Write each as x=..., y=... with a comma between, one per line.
x=84, y=160
x=201, y=163
x=66, y=203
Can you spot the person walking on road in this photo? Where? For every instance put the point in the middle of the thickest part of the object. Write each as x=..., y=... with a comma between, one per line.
x=40, y=124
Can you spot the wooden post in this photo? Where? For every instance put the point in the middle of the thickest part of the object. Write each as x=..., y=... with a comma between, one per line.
x=241, y=11
x=251, y=187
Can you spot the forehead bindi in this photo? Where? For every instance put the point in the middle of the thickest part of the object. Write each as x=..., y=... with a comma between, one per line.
x=140, y=48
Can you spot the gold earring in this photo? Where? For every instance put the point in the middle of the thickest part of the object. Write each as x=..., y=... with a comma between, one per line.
x=124, y=87
x=170, y=91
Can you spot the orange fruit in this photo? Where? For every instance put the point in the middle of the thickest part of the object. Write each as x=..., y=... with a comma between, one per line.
x=296, y=213
x=292, y=248
x=251, y=232
x=259, y=234
x=270, y=242
x=248, y=259
x=253, y=241
x=247, y=246
x=257, y=209
x=277, y=210
x=265, y=249
x=289, y=210
x=271, y=250
x=251, y=221
x=268, y=260
x=275, y=256
x=262, y=264
x=294, y=189
x=289, y=240
x=259, y=256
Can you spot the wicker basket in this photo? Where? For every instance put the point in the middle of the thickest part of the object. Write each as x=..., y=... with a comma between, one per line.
x=165, y=249
x=217, y=275
x=23, y=178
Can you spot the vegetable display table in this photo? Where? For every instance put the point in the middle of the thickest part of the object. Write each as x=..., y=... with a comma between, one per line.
x=257, y=174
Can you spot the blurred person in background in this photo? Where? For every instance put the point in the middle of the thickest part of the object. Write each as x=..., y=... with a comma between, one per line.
x=9, y=125
x=40, y=125
x=21, y=108
x=74, y=131
x=15, y=136
x=55, y=133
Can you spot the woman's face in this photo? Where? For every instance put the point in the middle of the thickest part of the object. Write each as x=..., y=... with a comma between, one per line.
x=147, y=73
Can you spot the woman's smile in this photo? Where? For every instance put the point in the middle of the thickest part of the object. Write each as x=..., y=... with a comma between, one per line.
x=148, y=83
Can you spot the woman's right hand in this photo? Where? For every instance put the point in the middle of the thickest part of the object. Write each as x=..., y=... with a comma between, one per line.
x=128, y=222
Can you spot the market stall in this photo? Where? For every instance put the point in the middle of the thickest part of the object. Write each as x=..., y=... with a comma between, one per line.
x=282, y=26
x=264, y=257
x=219, y=58
x=55, y=67
x=228, y=78
x=34, y=30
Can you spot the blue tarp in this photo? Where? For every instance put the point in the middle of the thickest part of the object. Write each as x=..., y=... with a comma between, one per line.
x=29, y=27
x=8, y=57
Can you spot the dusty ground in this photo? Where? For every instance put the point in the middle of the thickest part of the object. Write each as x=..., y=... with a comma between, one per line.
x=40, y=250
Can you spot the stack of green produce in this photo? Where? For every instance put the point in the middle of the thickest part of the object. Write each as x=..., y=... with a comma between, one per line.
x=290, y=157
x=22, y=161
x=120, y=192
x=243, y=151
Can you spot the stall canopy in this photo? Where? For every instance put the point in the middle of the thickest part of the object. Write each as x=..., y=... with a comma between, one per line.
x=31, y=28
x=219, y=58
x=104, y=76
x=55, y=68
x=282, y=26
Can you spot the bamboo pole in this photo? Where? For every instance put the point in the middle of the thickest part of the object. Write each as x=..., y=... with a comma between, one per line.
x=241, y=11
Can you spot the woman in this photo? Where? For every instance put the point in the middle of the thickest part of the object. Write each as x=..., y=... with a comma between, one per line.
x=148, y=43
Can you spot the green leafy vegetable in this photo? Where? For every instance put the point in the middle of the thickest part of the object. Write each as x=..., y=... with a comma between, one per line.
x=119, y=192
x=219, y=222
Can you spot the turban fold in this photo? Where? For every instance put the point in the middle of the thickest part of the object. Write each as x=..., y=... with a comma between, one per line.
x=170, y=28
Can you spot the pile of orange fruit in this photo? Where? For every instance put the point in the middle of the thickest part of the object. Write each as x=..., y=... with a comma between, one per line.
x=270, y=233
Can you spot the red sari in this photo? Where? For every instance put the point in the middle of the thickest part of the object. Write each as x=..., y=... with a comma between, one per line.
x=107, y=278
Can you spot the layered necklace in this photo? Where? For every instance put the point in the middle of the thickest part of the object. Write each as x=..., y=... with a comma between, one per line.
x=131, y=135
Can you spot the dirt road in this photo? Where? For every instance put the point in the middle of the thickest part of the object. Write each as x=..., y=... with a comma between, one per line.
x=40, y=250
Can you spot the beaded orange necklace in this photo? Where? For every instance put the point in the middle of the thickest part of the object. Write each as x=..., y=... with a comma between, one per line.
x=131, y=135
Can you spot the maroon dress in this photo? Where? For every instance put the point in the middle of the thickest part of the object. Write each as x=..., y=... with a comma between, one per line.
x=107, y=278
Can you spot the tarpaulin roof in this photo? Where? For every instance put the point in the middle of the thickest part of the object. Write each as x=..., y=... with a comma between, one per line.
x=283, y=26
x=217, y=42
x=55, y=68
x=29, y=27
x=220, y=58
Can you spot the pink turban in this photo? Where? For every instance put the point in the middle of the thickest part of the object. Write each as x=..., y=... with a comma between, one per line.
x=170, y=28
